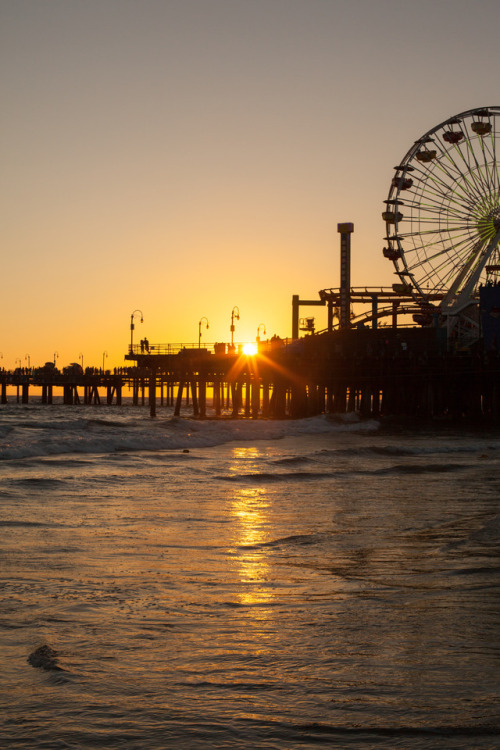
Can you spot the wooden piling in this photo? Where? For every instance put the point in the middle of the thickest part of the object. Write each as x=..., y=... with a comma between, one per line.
x=152, y=393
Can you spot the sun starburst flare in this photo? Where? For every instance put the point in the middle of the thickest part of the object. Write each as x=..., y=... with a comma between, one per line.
x=250, y=350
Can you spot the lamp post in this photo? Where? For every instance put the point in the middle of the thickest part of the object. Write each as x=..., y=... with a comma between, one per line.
x=132, y=328
x=27, y=357
x=199, y=329
x=56, y=354
x=235, y=313
x=80, y=356
x=104, y=355
x=261, y=325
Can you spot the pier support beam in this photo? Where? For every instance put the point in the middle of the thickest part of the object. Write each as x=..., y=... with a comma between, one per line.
x=152, y=393
x=202, y=400
x=255, y=398
x=178, y=402
x=265, y=399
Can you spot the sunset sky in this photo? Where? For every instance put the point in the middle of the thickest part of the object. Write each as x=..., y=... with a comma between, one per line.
x=186, y=156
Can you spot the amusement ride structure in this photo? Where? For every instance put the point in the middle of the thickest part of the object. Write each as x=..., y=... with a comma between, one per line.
x=442, y=217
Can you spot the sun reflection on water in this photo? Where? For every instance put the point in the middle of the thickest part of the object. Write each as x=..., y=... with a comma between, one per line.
x=246, y=457
x=249, y=507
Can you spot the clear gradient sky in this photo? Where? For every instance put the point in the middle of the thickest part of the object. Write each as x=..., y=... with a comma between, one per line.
x=186, y=156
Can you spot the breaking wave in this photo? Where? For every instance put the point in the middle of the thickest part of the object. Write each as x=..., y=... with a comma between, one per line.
x=32, y=436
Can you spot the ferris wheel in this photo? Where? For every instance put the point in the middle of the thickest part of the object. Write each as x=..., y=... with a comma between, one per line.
x=443, y=212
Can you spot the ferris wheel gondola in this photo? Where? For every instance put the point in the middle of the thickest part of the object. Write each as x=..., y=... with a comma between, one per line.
x=442, y=212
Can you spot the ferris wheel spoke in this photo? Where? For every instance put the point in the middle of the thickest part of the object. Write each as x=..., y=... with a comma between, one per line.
x=441, y=178
x=490, y=161
x=461, y=168
x=477, y=170
x=478, y=164
x=441, y=183
x=442, y=273
x=448, y=166
x=496, y=177
x=423, y=271
x=440, y=260
x=436, y=203
x=434, y=230
x=431, y=203
x=468, y=184
x=461, y=191
x=484, y=153
x=438, y=277
x=431, y=206
x=453, y=249
x=444, y=270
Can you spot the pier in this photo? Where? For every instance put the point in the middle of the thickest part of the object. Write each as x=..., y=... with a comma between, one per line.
x=382, y=372
x=379, y=372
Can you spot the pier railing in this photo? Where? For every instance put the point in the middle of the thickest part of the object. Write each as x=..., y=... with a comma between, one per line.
x=213, y=348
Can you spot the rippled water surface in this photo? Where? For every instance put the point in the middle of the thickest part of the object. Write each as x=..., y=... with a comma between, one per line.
x=246, y=585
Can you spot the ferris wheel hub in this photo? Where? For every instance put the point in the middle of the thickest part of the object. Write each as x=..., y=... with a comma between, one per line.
x=489, y=224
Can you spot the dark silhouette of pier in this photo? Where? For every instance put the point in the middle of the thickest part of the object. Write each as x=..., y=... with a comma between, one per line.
x=375, y=372
x=76, y=386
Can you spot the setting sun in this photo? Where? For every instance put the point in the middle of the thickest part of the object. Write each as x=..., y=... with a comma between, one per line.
x=250, y=350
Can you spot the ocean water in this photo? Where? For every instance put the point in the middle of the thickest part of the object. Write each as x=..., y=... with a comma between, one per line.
x=240, y=584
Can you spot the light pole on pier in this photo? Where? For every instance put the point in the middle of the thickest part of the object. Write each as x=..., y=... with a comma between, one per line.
x=27, y=357
x=199, y=329
x=104, y=355
x=235, y=313
x=132, y=328
x=80, y=356
x=56, y=354
x=261, y=325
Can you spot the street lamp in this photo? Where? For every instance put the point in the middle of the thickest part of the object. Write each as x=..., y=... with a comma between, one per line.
x=261, y=325
x=104, y=355
x=27, y=357
x=80, y=356
x=234, y=314
x=56, y=354
x=199, y=329
x=132, y=328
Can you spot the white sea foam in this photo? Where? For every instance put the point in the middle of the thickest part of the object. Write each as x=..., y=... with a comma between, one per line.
x=33, y=433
